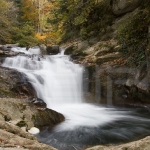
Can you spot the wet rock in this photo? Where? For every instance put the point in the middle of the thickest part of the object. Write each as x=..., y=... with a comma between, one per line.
x=143, y=144
x=23, y=113
x=52, y=50
x=69, y=50
x=15, y=84
x=39, y=103
x=43, y=49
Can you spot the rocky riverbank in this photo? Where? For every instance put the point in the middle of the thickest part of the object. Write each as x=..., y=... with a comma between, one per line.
x=114, y=75
x=17, y=116
x=143, y=144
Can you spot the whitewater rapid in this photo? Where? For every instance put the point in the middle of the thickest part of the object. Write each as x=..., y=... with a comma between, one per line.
x=59, y=82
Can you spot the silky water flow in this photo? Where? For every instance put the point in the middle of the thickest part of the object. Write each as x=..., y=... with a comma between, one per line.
x=58, y=82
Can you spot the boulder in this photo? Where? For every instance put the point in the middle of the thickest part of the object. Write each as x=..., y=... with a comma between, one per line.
x=120, y=7
x=43, y=49
x=15, y=84
x=143, y=144
x=54, y=49
x=23, y=113
x=39, y=103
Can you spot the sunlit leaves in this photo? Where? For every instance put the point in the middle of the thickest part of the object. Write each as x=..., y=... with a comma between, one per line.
x=8, y=19
x=29, y=12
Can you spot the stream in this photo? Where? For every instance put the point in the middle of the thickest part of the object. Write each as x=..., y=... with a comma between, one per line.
x=59, y=82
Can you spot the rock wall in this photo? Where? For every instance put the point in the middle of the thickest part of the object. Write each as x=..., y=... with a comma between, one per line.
x=106, y=65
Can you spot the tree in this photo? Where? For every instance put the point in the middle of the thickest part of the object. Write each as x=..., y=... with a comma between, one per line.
x=28, y=12
x=8, y=13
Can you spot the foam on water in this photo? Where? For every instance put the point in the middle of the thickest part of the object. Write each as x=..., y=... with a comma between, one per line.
x=58, y=81
x=30, y=51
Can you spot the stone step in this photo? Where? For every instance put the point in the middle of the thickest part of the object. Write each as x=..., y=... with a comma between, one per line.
x=108, y=57
x=105, y=50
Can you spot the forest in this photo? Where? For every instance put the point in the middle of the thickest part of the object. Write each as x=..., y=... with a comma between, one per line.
x=75, y=74
x=32, y=22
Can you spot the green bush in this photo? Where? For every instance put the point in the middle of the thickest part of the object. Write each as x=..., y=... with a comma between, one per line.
x=25, y=35
x=133, y=36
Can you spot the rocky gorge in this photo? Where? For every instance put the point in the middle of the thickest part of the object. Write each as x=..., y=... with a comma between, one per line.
x=105, y=59
x=107, y=69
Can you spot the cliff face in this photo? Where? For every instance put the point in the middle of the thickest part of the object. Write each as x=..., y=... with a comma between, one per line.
x=118, y=60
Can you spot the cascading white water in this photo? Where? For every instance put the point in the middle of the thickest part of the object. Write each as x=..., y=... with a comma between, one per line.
x=30, y=51
x=58, y=81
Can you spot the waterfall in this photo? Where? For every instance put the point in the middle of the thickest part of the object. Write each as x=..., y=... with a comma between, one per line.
x=58, y=81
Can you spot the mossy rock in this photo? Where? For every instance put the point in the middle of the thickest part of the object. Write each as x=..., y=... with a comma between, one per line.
x=21, y=124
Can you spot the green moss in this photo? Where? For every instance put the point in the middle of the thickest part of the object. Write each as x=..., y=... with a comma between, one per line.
x=21, y=124
x=33, y=117
x=4, y=93
x=133, y=36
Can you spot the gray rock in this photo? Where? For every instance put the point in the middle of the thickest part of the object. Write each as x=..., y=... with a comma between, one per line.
x=43, y=49
x=23, y=113
x=82, y=45
x=12, y=141
x=54, y=49
x=39, y=103
x=120, y=7
x=14, y=84
x=143, y=144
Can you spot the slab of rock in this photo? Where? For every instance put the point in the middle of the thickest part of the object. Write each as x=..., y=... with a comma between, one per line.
x=15, y=84
x=24, y=114
x=120, y=7
x=10, y=140
x=52, y=50
x=143, y=144
x=108, y=57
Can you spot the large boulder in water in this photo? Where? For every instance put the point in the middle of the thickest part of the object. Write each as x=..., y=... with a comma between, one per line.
x=39, y=103
x=54, y=49
x=23, y=113
x=120, y=7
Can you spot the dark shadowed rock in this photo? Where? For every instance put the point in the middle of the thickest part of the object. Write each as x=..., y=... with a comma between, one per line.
x=39, y=103
x=54, y=49
x=15, y=84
